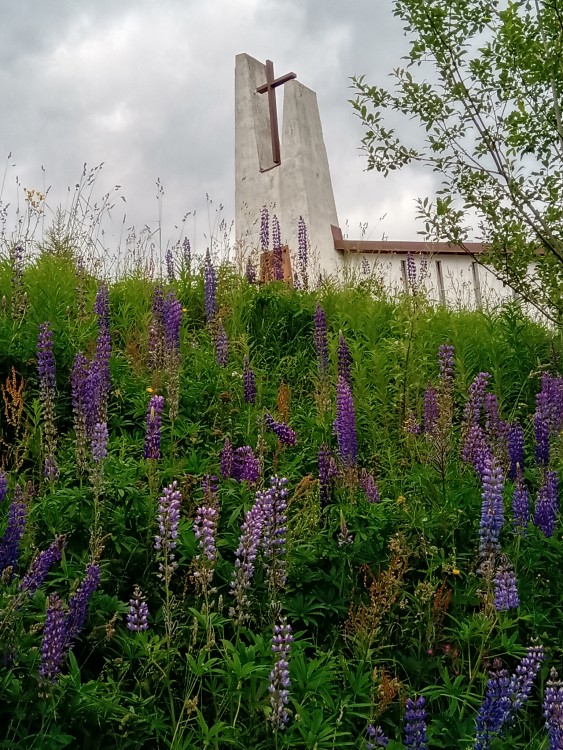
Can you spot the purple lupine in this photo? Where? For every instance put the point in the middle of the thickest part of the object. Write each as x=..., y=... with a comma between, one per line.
x=475, y=400
x=431, y=412
x=187, y=253
x=170, y=265
x=205, y=530
x=496, y=428
x=250, y=271
x=246, y=466
x=411, y=273
x=344, y=535
x=245, y=558
x=221, y=346
x=264, y=229
x=168, y=525
x=368, y=485
x=415, y=724
x=15, y=527
x=522, y=680
x=344, y=359
x=446, y=365
x=321, y=341
x=46, y=371
x=210, y=288
x=542, y=434
x=274, y=501
x=277, y=249
x=101, y=306
x=248, y=382
x=172, y=320
x=3, y=485
x=100, y=442
x=41, y=564
x=156, y=330
x=547, y=504
x=506, y=592
x=325, y=475
x=515, y=442
x=520, y=506
x=103, y=352
x=210, y=487
x=496, y=707
x=227, y=459
x=79, y=379
x=412, y=425
x=55, y=640
x=492, y=509
x=303, y=251
x=280, y=681
x=154, y=426
x=138, y=614
x=375, y=738
x=475, y=448
x=553, y=710
x=284, y=433
x=78, y=603
x=345, y=425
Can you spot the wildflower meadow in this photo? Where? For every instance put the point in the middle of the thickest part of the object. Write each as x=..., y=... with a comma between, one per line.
x=249, y=515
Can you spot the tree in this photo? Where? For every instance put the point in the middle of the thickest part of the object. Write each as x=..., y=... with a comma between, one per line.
x=490, y=112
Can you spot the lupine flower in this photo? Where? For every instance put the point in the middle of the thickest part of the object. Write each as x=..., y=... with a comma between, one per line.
x=154, y=425
x=138, y=615
x=553, y=710
x=100, y=363
x=264, y=229
x=79, y=398
x=274, y=501
x=100, y=442
x=412, y=425
x=344, y=359
x=15, y=527
x=279, y=676
x=492, y=509
x=41, y=565
x=345, y=425
x=303, y=251
x=411, y=273
x=415, y=724
x=547, y=504
x=285, y=434
x=3, y=485
x=520, y=506
x=210, y=487
x=227, y=459
x=344, y=535
x=101, y=306
x=17, y=264
x=170, y=265
x=205, y=530
x=55, y=640
x=515, y=441
x=156, y=330
x=248, y=383
x=446, y=365
x=187, y=252
x=221, y=346
x=245, y=558
x=476, y=398
x=431, y=412
x=367, y=483
x=277, y=249
x=172, y=320
x=522, y=680
x=250, y=271
x=325, y=474
x=78, y=603
x=321, y=341
x=246, y=466
x=46, y=371
x=168, y=524
x=375, y=738
x=210, y=284
x=475, y=448
x=506, y=592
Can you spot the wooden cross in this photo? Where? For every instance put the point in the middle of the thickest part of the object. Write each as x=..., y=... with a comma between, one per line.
x=270, y=88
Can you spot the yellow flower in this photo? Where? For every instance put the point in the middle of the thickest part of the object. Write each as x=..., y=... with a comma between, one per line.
x=456, y=571
x=150, y=390
x=184, y=309
x=401, y=499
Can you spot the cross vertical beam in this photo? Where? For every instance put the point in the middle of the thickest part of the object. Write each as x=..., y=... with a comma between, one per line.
x=270, y=88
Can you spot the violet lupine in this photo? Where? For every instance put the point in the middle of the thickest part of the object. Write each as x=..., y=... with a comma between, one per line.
x=78, y=603
x=205, y=530
x=280, y=681
x=246, y=466
x=521, y=682
x=496, y=428
x=367, y=483
x=284, y=433
x=138, y=614
x=248, y=382
x=245, y=558
x=506, y=591
x=325, y=476
x=515, y=444
x=415, y=724
x=475, y=448
x=79, y=378
x=3, y=485
x=187, y=253
x=344, y=359
x=41, y=564
x=46, y=371
x=274, y=501
x=547, y=504
x=154, y=426
x=101, y=306
x=221, y=346
x=210, y=487
x=101, y=359
x=227, y=459
x=168, y=524
x=553, y=710
x=277, y=249
x=55, y=640
x=303, y=251
x=264, y=229
x=345, y=425
x=210, y=288
x=156, y=330
x=170, y=265
x=476, y=399
x=321, y=342
x=431, y=412
x=520, y=506
x=492, y=509
x=411, y=273
x=172, y=320
x=15, y=528
x=446, y=366
x=375, y=738
x=99, y=443
x=542, y=431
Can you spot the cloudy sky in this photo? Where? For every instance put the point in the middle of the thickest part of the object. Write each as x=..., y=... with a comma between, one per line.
x=147, y=88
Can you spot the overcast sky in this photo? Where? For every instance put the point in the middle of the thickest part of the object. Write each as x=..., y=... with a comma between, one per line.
x=147, y=87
